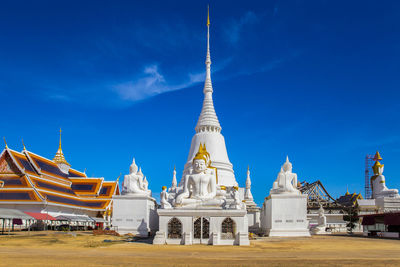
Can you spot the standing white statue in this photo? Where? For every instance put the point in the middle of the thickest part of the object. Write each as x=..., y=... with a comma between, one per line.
x=378, y=182
x=321, y=217
x=321, y=227
x=200, y=185
x=286, y=182
x=134, y=183
x=164, y=199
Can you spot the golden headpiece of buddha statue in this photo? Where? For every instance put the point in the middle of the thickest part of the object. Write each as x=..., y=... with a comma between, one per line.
x=378, y=167
x=203, y=154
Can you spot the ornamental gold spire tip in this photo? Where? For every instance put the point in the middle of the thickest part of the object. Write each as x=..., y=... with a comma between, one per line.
x=23, y=144
x=59, y=146
x=5, y=142
x=208, y=15
x=59, y=157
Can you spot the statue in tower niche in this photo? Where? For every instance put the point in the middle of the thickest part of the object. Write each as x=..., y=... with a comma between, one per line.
x=200, y=185
x=286, y=181
x=379, y=189
x=135, y=182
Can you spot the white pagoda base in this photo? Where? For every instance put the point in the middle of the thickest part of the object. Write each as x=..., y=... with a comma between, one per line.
x=215, y=235
x=135, y=214
x=286, y=215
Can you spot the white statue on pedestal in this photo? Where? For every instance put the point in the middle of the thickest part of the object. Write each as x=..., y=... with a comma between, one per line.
x=378, y=183
x=321, y=227
x=200, y=185
x=164, y=199
x=286, y=181
x=321, y=217
x=134, y=183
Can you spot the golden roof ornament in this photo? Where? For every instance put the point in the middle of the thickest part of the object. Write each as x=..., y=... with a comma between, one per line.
x=5, y=142
x=59, y=157
x=208, y=16
x=23, y=144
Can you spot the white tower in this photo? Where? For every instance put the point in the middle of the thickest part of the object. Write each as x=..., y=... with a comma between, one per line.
x=208, y=131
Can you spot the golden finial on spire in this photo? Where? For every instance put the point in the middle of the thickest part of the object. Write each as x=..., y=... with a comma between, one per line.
x=347, y=190
x=23, y=143
x=5, y=142
x=208, y=15
x=119, y=176
x=59, y=157
x=59, y=147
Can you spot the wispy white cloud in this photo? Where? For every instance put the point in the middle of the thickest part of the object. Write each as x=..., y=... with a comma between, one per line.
x=236, y=27
x=152, y=82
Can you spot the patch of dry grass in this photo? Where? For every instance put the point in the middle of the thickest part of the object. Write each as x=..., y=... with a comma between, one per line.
x=56, y=249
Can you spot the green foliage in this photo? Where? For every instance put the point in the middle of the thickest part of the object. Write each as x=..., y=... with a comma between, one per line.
x=351, y=218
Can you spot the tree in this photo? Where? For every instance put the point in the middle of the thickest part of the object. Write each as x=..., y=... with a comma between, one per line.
x=351, y=218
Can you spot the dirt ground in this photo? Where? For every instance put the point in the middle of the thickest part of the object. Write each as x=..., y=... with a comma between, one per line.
x=84, y=249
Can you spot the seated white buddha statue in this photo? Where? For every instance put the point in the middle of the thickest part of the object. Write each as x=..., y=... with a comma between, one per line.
x=378, y=183
x=133, y=182
x=200, y=185
x=286, y=182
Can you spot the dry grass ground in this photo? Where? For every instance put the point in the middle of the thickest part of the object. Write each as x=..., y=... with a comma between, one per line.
x=61, y=249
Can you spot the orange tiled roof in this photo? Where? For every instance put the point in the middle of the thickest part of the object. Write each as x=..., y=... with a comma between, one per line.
x=29, y=177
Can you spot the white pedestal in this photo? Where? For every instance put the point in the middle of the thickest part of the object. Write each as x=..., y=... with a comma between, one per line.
x=286, y=215
x=388, y=204
x=215, y=217
x=135, y=214
x=320, y=230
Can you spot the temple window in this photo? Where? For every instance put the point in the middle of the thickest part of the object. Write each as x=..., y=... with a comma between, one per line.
x=174, y=228
x=228, y=229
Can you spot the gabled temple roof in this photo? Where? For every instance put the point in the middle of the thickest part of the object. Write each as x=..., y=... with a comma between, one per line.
x=28, y=177
x=348, y=199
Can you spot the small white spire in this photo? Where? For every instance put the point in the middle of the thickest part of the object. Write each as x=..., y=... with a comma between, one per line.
x=174, y=181
x=208, y=120
x=247, y=193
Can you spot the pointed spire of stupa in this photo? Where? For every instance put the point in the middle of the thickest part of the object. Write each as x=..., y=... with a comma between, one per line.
x=208, y=120
x=174, y=181
x=247, y=193
x=59, y=157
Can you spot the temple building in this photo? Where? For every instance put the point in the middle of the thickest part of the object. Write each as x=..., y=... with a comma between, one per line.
x=37, y=185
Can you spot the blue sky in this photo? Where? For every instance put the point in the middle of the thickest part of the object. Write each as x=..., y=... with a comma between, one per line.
x=317, y=80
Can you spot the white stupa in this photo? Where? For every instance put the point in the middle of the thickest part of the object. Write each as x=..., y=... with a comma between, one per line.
x=206, y=207
x=208, y=132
